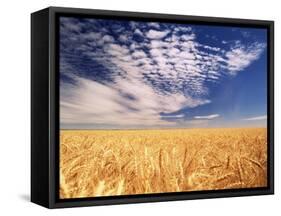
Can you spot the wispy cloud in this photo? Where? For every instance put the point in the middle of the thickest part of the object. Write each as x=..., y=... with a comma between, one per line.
x=208, y=117
x=131, y=74
x=241, y=56
x=174, y=116
x=256, y=118
x=126, y=102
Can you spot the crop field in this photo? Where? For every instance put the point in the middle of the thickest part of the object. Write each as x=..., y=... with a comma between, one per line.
x=123, y=162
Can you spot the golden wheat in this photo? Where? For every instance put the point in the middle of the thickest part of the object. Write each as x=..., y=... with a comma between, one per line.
x=121, y=162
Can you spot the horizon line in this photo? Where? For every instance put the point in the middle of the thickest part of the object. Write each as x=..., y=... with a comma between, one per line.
x=166, y=128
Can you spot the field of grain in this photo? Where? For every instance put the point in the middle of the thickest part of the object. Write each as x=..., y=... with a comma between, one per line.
x=121, y=162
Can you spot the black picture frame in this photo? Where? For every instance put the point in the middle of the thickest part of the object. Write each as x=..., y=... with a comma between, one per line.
x=45, y=107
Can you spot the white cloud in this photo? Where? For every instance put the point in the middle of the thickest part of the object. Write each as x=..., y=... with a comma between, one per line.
x=159, y=44
x=256, y=118
x=126, y=102
x=108, y=39
x=174, y=116
x=212, y=48
x=123, y=38
x=240, y=57
x=92, y=36
x=213, y=116
x=183, y=29
x=154, y=24
x=138, y=32
x=117, y=50
x=139, y=54
x=156, y=53
x=153, y=34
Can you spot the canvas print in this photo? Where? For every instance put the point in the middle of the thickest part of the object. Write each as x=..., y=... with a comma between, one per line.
x=156, y=107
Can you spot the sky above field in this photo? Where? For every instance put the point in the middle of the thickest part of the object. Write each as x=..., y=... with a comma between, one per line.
x=117, y=74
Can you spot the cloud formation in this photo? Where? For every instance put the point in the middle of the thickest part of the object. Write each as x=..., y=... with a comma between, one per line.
x=240, y=56
x=132, y=73
x=208, y=117
x=256, y=118
x=153, y=34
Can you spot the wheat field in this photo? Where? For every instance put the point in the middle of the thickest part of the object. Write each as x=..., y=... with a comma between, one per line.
x=123, y=162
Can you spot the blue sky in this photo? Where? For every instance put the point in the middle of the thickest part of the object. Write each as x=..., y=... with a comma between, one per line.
x=124, y=74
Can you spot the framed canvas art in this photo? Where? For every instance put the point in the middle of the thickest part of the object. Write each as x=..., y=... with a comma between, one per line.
x=138, y=107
